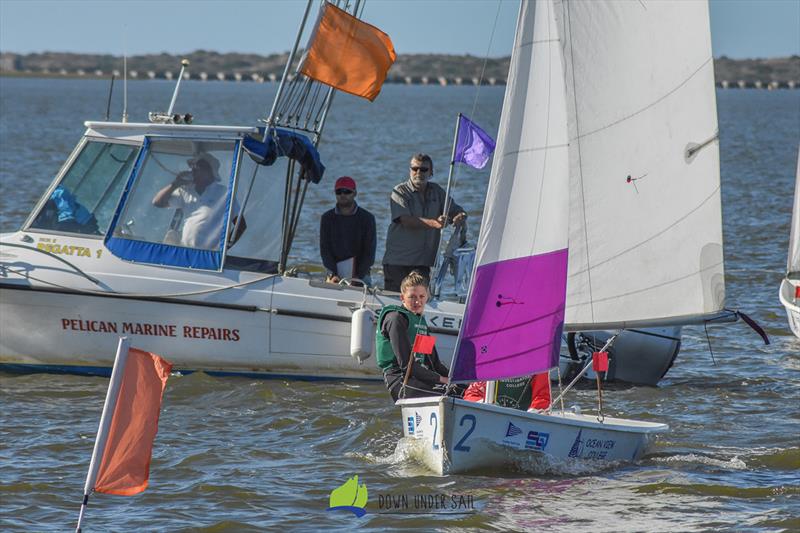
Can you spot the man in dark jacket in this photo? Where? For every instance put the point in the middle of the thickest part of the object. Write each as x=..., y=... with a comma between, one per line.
x=347, y=236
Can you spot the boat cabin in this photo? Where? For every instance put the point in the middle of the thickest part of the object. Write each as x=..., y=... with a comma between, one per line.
x=108, y=188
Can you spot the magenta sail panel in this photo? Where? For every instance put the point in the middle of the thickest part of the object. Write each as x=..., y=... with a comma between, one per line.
x=514, y=318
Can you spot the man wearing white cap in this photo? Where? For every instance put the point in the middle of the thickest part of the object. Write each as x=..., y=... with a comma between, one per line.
x=199, y=193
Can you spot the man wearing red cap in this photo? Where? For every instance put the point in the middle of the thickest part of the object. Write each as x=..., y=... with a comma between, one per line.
x=347, y=236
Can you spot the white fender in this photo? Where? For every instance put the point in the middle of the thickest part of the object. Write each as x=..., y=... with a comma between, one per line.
x=362, y=334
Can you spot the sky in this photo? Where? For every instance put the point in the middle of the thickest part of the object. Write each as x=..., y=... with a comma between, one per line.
x=739, y=28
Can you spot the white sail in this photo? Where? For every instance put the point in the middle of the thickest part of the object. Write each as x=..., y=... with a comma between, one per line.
x=793, y=267
x=515, y=312
x=645, y=212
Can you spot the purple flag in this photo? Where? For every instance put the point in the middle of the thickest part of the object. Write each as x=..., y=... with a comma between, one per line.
x=474, y=146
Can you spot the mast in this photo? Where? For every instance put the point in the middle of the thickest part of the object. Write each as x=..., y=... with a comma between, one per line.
x=300, y=106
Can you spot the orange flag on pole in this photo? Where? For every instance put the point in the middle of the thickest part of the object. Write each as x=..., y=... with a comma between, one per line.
x=125, y=466
x=348, y=54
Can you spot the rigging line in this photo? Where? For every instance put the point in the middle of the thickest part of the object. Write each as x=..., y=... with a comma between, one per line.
x=708, y=340
x=486, y=58
x=480, y=80
x=653, y=236
x=537, y=148
x=310, y=119
x=580, y=159
x=22, y=274
x=303, y=95
x=651, y=104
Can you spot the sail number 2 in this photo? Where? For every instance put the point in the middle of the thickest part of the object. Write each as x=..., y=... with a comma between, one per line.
x=460, y=447
x=435, y=424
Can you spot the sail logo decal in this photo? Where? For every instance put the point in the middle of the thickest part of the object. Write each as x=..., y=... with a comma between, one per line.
x=510, y=439
x=418, y=424
x=350, y=496
x=577, y=446
x=507, y=300
x=512, y=430
x=536, y=440
x=415, y=424
x=591, y=448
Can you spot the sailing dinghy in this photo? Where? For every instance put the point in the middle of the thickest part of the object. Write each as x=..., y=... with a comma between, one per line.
x=603, y=212
x=790, y=286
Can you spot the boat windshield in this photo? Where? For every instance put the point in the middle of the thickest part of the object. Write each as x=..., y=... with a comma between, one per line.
x=177, y=207
x=194, y=179
x=84, y=199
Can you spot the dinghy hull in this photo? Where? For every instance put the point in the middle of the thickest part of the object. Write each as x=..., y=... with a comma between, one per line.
x=792, y=304
x=454, y=436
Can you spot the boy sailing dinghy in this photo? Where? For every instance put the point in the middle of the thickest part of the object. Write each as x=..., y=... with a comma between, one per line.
x=790, y=286
x=607, y=117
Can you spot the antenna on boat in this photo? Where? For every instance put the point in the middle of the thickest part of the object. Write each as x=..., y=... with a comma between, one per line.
x=159, y=117
x=110, y=92
x=184, y=64
x=125, y=77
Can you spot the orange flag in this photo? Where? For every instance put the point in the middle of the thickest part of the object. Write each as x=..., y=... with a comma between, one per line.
x=348, y=54
x=125, y=467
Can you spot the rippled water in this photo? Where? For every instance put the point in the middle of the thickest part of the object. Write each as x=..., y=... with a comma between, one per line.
x=240, y=454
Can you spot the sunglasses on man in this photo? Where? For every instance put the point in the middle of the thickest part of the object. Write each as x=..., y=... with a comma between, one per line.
x=419, y=169
x=344, y=191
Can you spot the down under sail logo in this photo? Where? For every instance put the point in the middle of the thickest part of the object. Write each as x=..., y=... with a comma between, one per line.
x=349, y=497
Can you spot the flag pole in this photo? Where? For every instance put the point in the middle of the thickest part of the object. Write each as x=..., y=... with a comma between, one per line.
x=437, y=263
x=105, y=422
x=452, y=165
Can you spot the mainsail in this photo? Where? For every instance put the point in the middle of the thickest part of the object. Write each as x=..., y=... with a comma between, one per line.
x=608, y=140
x=515, y=310
x=793, y=267
x=645, y=243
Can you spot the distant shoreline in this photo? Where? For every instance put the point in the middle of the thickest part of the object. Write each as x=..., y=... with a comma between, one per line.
x=413, y=69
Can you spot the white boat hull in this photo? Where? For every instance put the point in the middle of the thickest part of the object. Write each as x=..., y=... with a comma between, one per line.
x=272, y=325
x=454, y=435
x=792, y=305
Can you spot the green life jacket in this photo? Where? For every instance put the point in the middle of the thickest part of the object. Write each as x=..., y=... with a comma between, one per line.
x=385, y=356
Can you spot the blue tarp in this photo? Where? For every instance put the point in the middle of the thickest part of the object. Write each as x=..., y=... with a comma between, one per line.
x=282, y=142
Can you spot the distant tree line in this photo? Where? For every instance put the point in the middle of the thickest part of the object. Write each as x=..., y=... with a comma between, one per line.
x=417, y=66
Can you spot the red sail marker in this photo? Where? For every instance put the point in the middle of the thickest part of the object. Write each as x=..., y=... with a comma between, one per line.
x=600, y=361
x=423, y=344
